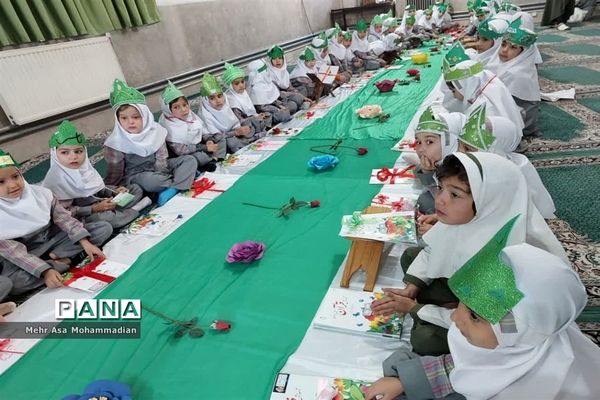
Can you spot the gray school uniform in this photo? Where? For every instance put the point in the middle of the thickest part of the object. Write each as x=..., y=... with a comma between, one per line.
x=278, y=115
x=292, y=98
x=370, y=61
x=426, y=200
x=235, y=143
x=531, y=109
x=81, y=208
x=179, y=174
x=304, y=85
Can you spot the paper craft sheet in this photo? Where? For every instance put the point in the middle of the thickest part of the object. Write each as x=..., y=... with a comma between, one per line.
x=305, y=387
x=93, y=283
x=211, y=185
x=393, y=176
x=386, y=227
x=268, y=145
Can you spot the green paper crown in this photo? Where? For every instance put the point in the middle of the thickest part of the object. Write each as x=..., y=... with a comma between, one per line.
x=210, y=85
x=67, y=135
x=456, y=74
x=361, y=25
x=232, y=73
x=508, y=7
x=442, y=8
x=332, y=32
x=485, y=283
x=482, y=11
x=519, y=36
x=377, y=20
x=428, y=123
x=171, y=93
x=474, y=132
x=275, y=52
x=307, y=54
x=123, y=94
x=391, y=22
x=348, y=35
x=456, y=54
x=324, y=43
x=410, y=7
x=388, y=14
x=6, y=160
x=470, y=5
x=486, y=31
x=410, y=20
x=429, y=11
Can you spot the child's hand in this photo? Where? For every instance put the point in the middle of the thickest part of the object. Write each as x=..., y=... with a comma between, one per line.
x=384, y=389
x=426, y=222
x=91, y=250
x=211, y=146
x=396, y=303
x=426, y=163
x=121, y=189
x=104, y=205
x=411, y=291
x=52, y=278
x=242, y=131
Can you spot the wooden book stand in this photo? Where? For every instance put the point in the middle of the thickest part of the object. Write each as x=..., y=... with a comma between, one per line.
x=365, y=254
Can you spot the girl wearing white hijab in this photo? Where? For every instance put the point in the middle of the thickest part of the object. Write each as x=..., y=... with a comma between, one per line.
x=337, y=55
x=512, y=337
x=426, y=21
x=220, y=118
x=264, y=94
x=515, y=65
x=488, y=44
x=473, y=85
x=306, y=64
x=38, y=236
x=498, y=193
x=360, y=48
x=80, y=188
x=186, y=132
x=376, y=29
x=136, y=151
x=278, y=71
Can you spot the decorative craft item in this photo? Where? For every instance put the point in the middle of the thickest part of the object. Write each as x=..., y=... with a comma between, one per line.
x=420, y=58
x=386, y=85
x=393, y=176
x=322, y=163
x=369, y=111
x=181, y=328
x=245, y=252
x=286, y=209
x=332, y=149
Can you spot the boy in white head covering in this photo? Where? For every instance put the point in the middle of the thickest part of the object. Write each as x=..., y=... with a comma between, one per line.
x=479, y=193
x=80, y=188
x=186, y=132
x=292, y=97
x=501, y=136
x=265, y=94
x=515, y=65
x=511, y=336
x=219, y=117
x=38, y=236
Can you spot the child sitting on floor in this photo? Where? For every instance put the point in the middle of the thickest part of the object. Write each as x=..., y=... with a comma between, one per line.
x=390, y=25
x=488, y=40
x=239, y=100
x=80, y=188
x=290, y=96
x=38, y=236
x=186, y=132
x=478, y=194
x=360, y=47
x=219, y=118
x=264, y=94
x=515, y=65
x=376, y=29
x=511, y=337
x=306, y=64
x=136, y=151
x=337, y=55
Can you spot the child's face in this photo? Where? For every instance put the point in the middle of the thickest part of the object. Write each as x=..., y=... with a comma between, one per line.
x=428, y=16
x=508, y=51
x=484, y=44
x=347, y=42
x=454, y=202
x=310, y=64
x=475, y=329
x=71, y=156
x=324, y=53
x=216, y=101
x=340, y=38
x=362, y=35
x=378, y=28
x=465, y=148
x=428, y=148
x=457, y=95
x=481, y=17
x=239, y=85
x=180, y=108
x=131, y=119
x=391, y=29
x=412, y=13
x=277, y=62
x=11, y=183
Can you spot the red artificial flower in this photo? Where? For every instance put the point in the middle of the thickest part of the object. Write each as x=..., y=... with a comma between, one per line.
x=413, y=72
x=276, y=131
x=362, y=151
x=222, y=326
x=315, y=204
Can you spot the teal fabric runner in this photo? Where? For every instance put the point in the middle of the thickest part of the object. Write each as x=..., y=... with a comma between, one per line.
x=401, y=103
x=270, y=303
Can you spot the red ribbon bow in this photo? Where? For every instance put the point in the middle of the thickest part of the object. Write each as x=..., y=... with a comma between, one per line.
x=202, y=185
x=385, y=173
x=88, y=270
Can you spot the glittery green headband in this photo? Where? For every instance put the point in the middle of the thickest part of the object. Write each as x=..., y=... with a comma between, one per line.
x=67, y=135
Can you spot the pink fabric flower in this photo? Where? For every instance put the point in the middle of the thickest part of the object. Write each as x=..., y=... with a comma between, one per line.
x=245, y=252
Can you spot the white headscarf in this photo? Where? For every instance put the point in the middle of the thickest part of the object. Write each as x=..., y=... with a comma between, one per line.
x=147, y=142
x=390, y=42
x=500, y=193
x=321, y=61
x=487, y=55
x=527, y=23
x=280, y=76
x=358, y=44
x=262, y=90
x=26, y=215
x=425, y=23
x=508, y=136
x=240, y=101
x=547, y=357
x=68, y=183
x=373, y=35
x=188, y=131
x=301, y=69
x=337, y=49
x=455, y=122
x=519, y=74
x=485, y=87
x=223, y=120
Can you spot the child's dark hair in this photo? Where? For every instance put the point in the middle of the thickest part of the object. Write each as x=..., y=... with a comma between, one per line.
x=177, y=99
x=451, y=166
x=123, y=107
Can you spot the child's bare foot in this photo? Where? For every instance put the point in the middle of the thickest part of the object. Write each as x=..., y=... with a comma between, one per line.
x=7, y=308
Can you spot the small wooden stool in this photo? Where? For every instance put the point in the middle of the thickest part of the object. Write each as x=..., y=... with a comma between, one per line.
x=365, y=254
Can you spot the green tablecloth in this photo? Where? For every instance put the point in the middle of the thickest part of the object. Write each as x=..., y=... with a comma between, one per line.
x=270, y=302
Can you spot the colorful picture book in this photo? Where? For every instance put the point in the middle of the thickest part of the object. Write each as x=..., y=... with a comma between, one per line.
x=398, y=227
x=241, y=160
x=396, y=199
x=268, y=145
x=393, y=176
x=304, y=387
x=211, y=185
x=349, y=311
x=94, y=276
x=153, y=225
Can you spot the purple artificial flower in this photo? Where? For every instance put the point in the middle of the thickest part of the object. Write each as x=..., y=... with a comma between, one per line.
x=245, y=252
